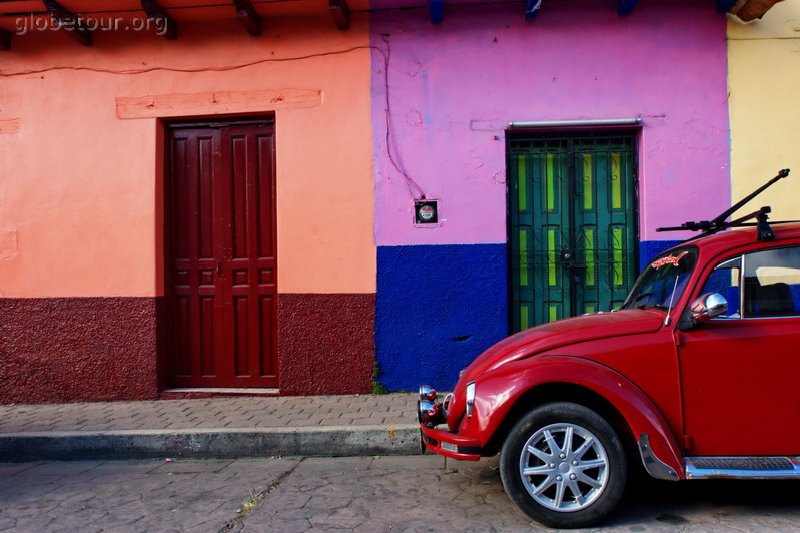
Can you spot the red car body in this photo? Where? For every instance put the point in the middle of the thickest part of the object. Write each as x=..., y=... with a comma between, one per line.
x=722, y=388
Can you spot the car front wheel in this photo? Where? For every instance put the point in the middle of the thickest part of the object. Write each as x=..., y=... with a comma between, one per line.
x=564, y=465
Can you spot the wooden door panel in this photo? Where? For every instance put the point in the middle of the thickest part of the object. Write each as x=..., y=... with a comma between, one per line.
x=193, y=258
x=223, y=260
x=267, y=354
x=208, y=344
x=182, y=336
x=252, y=233
x=242, y=338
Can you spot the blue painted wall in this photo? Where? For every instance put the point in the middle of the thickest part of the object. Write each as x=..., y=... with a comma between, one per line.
x=437, y=308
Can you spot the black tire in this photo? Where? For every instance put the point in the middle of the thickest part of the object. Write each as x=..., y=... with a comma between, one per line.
x=597, y=472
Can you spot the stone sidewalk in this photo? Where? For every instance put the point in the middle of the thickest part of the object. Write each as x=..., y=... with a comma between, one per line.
x=241, y=426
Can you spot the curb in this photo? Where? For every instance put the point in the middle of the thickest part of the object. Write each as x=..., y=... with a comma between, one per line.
x=331, y=441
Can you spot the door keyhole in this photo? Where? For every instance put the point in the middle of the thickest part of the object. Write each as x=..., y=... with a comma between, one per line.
x=568, y=257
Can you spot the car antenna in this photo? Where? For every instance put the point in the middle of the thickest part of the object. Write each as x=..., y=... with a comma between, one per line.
x=718, y=223
x=668, y=319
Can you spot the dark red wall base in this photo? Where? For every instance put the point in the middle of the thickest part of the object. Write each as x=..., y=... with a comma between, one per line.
x=78, y=349
x=57, y=350
x=327, y=343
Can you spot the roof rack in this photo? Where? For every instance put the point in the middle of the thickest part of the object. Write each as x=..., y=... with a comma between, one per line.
x=719, y=223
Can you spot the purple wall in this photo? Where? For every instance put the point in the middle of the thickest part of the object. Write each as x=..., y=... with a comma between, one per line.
x=453, y=88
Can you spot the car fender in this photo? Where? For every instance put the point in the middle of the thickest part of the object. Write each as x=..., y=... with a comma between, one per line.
x=498, y=391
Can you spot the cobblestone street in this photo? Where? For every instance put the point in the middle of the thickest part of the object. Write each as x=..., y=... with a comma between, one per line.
x=378, y=494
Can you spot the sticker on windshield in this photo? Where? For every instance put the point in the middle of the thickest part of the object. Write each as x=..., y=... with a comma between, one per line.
x=670, y=259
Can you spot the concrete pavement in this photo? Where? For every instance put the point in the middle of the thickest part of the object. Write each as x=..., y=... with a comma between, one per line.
x=220, y=427
x=355, y=494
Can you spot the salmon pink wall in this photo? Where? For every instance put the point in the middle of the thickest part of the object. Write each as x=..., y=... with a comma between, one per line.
x=81, y=179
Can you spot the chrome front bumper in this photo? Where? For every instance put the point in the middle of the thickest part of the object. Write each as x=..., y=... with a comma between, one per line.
x=432, y=413
x=450, y=444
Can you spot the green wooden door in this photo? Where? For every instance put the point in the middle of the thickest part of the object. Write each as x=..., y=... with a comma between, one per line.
x=572, y=225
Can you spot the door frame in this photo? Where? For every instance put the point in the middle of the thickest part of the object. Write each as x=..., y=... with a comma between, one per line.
x=571, y=132
x=165, y=316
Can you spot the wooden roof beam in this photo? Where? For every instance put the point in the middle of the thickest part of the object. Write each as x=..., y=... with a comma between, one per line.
x=166, y=25
x=532, y=8
x=69, y=22
x=723, y=6
x=437, y=11
x=248, y=16
x=626, y=7
x=340, y=12
x=5, y=40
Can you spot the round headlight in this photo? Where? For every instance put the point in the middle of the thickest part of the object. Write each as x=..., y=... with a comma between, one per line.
x=424, y=408
x=427, y=393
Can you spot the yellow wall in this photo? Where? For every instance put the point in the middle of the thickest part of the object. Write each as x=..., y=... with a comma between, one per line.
x=764, y=84
x=80, y=189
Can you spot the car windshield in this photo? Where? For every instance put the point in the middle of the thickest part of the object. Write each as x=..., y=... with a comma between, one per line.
x=665, y=275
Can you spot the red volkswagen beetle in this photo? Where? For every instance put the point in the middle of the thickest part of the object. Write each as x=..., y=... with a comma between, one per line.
x=694, y=377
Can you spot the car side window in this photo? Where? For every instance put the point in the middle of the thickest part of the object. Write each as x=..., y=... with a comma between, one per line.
x=725, y=279
x=772, y=282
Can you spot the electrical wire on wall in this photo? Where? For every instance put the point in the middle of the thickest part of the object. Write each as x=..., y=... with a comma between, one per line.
x=414, y=189
x=410, y=183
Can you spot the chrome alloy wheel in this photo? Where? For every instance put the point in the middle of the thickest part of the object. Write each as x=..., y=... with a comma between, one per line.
x=564, y=467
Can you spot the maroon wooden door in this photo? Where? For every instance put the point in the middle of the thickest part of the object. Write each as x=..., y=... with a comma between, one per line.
x=221, y=206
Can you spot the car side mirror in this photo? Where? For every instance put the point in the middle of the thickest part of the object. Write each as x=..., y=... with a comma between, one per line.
x=708, y=306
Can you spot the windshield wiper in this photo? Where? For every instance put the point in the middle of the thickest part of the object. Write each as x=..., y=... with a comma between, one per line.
x=653, y=306
x=639, y=297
